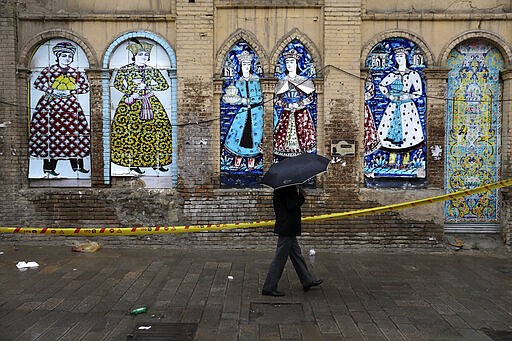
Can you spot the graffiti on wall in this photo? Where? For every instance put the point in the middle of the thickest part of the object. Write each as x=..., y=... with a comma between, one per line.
x=141, y=130
x=59, y=112
x=473, y=124
x=241, y=118
x=295, y=103
x=394, y=115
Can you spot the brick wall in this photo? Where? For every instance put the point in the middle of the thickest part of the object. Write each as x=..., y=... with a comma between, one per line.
x=10, y=107
x=194, y=52
x=335, y=31
x=342, y=104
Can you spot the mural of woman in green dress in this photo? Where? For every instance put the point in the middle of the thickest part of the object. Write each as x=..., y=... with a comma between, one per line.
x=141, y=134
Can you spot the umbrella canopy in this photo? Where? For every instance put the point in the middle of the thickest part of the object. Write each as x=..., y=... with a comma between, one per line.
x=295, y=170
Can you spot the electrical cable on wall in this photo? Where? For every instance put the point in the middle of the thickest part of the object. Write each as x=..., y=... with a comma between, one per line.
x=2, y=101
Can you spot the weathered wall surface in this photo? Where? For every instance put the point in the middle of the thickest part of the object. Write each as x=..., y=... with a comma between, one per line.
x=432, y=6
x=339, y=34
x=439, y=27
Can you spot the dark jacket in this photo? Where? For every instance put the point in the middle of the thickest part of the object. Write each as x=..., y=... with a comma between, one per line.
x=287, y=202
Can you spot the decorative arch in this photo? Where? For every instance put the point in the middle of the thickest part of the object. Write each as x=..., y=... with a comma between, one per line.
x=493, y=38
x=106, y=99
x=31, y=46
x=397, y=34
x=304, y=39
x=250, y=39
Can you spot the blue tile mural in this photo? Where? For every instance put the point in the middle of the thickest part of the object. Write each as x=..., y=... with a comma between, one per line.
x=295, y=103
x=241, y=118
x=473, y=126
x=394, y=115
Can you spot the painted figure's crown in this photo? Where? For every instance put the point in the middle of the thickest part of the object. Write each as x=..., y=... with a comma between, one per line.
x=245, y=56
x=292, y=54
x=142, y=46
x=401, y=49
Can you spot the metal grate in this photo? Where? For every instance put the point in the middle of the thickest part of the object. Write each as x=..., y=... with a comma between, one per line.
x=163, y=331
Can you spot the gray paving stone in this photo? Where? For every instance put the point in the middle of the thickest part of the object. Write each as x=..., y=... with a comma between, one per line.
x=289, y=332
x=269, y=332
x=365, y=296
x=227, y=330
x=389, y=330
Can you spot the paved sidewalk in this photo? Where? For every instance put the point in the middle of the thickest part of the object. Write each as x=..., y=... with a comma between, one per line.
x=215, y=295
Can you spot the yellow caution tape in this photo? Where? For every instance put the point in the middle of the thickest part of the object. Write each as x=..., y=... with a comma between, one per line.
x=130, y=231
x=410, y=204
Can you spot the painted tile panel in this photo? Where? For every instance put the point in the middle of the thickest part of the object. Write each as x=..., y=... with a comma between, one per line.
x=241, y=118
x=141, y=131
x=473, y=131
x=295, y=103
x=395, y=115
x=59, y=112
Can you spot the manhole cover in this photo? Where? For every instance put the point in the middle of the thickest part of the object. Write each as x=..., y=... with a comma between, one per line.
x=276, y=313
x=163, y=331
x=498, y=335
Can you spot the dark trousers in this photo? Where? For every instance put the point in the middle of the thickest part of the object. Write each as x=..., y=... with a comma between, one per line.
x=287, y=247
x=51, y=164
x=76, y=163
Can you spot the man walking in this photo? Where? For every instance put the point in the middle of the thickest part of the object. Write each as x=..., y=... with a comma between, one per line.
x=287, y=202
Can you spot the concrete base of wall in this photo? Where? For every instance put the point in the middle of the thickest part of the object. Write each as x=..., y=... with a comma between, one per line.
x=470, y=241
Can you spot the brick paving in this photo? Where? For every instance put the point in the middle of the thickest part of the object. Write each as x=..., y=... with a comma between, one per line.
x=365, y=296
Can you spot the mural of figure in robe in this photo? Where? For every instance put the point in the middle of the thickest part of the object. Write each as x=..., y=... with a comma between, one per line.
x=59, y=129
x=241, y=119
x=397, y=109
x=295, y=103
x=400, y=128
x=141, y=133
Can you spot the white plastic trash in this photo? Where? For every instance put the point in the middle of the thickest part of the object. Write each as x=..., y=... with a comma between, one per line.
x=25, y=265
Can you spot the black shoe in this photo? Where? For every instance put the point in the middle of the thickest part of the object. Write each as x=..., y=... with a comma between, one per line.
x=272, y=293
x=51, y=172
x=81, y=170
x=313, y=284
x=137, y=170
x=161, y=169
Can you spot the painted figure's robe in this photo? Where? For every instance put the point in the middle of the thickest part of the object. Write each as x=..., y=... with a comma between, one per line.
x=294, y=129
x=141, y=134
x=246, y=131
x=58, y=127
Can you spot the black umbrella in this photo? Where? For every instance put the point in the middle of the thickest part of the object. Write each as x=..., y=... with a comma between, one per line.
x=295, y=170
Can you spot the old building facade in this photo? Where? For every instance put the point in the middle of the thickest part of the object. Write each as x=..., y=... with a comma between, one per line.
x=169, y=112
